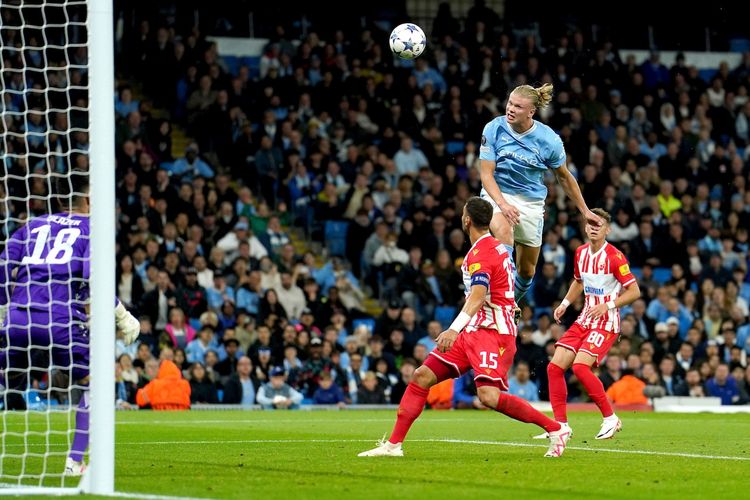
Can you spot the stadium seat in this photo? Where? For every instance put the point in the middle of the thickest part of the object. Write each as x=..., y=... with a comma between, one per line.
x=335, y=237
x=445, y=315
x=662, y=274
x=196, y=324
x=637, y=272
x=455, y=147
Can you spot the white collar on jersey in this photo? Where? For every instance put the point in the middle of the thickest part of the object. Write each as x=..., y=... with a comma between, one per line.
x=480, y=239
x=523, y=134
x=598, y=251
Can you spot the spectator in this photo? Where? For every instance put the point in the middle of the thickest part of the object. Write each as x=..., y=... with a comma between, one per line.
x=196, y=350
x=178, y=331
x=277, y=394
x=723, y=386
x=692, y=386
x=521, y=385
x=240, y=388
x=202, y=389
x=627, y=390
x=168, y=391
x=370, y=392
x=191, y=297
x=290, y=296
x=328, y=393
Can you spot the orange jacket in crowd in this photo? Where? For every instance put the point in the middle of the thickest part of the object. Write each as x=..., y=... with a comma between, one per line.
x=168, y=391
x=627, y=390
x=440, y=396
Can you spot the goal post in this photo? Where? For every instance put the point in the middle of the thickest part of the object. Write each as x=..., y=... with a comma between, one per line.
x=101, y=475
x=57, y=114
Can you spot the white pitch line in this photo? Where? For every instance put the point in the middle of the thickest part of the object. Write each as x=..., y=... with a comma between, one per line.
x=452, y=441
x=146, y=496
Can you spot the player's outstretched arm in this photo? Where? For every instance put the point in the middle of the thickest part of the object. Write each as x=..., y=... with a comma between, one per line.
x=573, y=191
x=473, y=303
x=575, y=290
x=487, y=176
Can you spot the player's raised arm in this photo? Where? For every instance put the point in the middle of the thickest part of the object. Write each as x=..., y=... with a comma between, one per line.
x=573, y=191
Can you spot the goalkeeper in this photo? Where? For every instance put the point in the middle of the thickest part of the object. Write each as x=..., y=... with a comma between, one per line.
x=44, y=294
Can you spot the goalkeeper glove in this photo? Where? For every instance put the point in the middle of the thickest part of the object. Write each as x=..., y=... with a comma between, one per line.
x=127, y=324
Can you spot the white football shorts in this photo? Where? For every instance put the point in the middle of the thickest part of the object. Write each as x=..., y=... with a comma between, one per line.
x=529, y=231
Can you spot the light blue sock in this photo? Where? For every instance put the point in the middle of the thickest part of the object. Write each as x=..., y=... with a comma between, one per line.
x=522, y=286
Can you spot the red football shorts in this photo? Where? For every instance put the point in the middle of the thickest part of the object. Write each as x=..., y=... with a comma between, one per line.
x=486, y=351
x=595, y=342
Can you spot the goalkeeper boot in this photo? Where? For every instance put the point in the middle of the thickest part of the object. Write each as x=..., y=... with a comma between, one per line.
x=73, y=468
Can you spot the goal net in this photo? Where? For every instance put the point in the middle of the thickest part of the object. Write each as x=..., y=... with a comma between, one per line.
x=54, y=125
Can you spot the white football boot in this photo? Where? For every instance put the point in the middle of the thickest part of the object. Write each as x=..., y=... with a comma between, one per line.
x=545, y=435
x=610, y=426
x=558, y=440
x=384, y=449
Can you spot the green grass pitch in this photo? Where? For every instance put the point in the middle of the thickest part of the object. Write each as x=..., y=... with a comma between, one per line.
x=449, y=454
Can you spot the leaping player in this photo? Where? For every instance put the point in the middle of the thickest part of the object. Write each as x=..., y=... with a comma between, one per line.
x=515, y=153
x=482, y=337
x=46, y=305
x=601, y=272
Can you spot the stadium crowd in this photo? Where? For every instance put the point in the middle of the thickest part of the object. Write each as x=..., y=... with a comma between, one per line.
x=369, y=161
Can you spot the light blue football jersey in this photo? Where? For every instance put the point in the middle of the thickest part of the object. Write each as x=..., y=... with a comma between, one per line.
x=521, y=160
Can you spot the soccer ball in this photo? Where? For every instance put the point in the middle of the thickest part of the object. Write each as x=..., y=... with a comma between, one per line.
x=408, y=41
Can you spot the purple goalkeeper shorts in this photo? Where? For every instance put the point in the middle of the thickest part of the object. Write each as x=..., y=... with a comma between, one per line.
x=66, y=340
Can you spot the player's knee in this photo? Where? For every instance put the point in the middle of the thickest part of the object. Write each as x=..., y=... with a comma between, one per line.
x=526, y=270
x=488, y=396
x=424, y=377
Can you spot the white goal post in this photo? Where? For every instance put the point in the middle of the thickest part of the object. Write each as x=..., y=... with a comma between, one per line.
x=51, y=35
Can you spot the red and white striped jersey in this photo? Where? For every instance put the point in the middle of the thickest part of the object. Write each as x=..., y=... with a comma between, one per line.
x=488, y=263
x=604, y=274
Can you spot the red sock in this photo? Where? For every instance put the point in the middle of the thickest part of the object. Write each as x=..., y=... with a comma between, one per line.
x=594, y=387
x=411, y=406
x=520, y=409
x=558, y=392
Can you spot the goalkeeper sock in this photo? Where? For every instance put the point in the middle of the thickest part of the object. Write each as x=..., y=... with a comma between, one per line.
x=522, y=286
x=521, y=410
x=594, y=387
x=81, y=438
x=558, y=392
x=411, y=406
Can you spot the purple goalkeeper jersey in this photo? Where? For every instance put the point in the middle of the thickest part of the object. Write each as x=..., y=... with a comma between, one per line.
x=50, y=255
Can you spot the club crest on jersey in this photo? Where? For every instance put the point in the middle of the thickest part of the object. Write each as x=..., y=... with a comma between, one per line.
x=474, y=267
x=601, y=267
